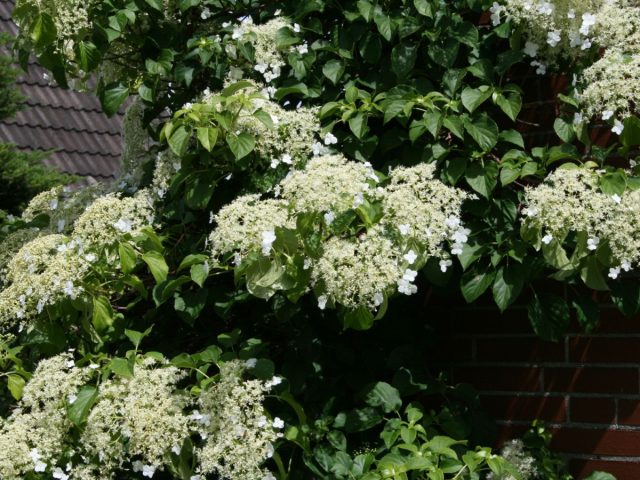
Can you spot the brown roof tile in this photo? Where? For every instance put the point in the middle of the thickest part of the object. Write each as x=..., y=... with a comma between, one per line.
x=85, y=141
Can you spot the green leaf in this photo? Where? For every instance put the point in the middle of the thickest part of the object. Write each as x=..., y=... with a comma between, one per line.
x=383, y=395
x=122, y=367
x=358, y=319
x=474, y=282
x=127, y=257
x=192, y=259
x=333, y=70
x=199, y=274
x=403, y=59
x=510, y=104
x=241, y=145
x=564, y=129
x=208, y=137
x=113, y=97
x=285, y=37
x=383, y=22
x=79, y=410
x=423, y=7
x=136, y=337
x=157, y=265
x=366, y=9
x=549, y=316
x=613, y=183
x=511, y=136
x=179, y=140
x=87, y=55
x=236, y=87
x=155, y=4
x=102, y=314
x=44, y=31
x=591, y=274
x=483, y=130
x=358, y=125
x=444, y=54
x=393, y=109
x=15, y=384
x=483, y=179
x=508, y=285
x=600, y=476
x=472, y=98
x=631, y=133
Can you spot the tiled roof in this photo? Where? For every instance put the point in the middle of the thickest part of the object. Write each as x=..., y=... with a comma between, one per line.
x=86, y=142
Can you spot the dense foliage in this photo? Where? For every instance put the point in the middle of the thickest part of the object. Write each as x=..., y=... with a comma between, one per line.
x=300, y=179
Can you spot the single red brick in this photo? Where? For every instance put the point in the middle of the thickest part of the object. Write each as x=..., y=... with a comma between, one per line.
x=596, y=441
x=629, y=412
x=604, y=350
x=622, y=470
x=518, y=350
x=552, y=409
x=512, y=379
x=592, y=410
x=591, y=380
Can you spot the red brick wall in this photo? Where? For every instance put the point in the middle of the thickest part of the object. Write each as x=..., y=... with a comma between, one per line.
x=585, y=387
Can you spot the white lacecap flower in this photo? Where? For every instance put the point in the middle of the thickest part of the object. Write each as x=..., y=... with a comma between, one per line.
x=322, y=302
x=588, y=20
x=268, y=237
x=61, y=224
x=71, y=399
x=547, y=239
x=286, y=158
x=40, y=467
x=53, y=204
x=275, y=381
x=445, y=264
x=176, y=449
x=251, y=362
x=148, y=471
x=358, y=200
x=452, y=221
x=278, y=423
x=378, y=298
x=554, y=37
x=306, y=265
x=268, y=476
x=546, y=8
x=330, y=139
x=496, y=10
x=275, y=162
x=531, y=48
x=410, y=257
x=592, y=243
x=618, y=127
x=35, y=455
x=626, y=266
x=404, y=229
x=607, y=114
x=59, y=474
x=71, y=364
x=586, y=44
x=296, y=28
x=616, y=198
x=303, y=49
x=123, y=225
x=205, y=14
x=94, y=366
x=577, y=118
x=614, y=272
x=571, y=13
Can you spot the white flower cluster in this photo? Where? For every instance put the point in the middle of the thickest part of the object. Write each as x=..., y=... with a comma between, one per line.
x=36, y=434
x=137, y=420
x=71, y=18
x=570, y=201
x=293, y=135
x=553, y=29
x=419, y=220
x=238, y=434
x=51, y=266
x=241, y=225
x=268, y=59
x=611, y=90
x=515, y=453
x=166, y=166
